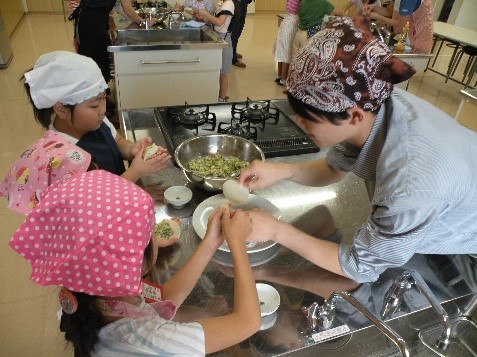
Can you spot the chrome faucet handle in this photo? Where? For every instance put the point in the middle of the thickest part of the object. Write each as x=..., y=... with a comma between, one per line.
x=395, y=294
x=320, y=317
x=323, y=317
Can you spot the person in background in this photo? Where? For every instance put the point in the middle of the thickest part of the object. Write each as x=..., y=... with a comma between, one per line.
x=221, y=22
x=283, y=45
x=92, y=29
x=191, y=6
x=423, y=195
x=417, y=12
x=358, y=6
x=310, y=16
x=51, y=158
x=236, y=28
x=67, y=93
x=71, y=243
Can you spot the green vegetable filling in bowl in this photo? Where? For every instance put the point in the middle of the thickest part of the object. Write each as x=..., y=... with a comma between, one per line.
x=217, y=165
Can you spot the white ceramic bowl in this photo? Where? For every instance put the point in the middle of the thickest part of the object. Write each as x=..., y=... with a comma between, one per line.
x=269, y=299
x=178, y=196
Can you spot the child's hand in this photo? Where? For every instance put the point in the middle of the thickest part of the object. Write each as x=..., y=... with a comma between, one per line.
x=201, y=14
x=237, y=226
x=155, y=164
x=214, y=235
x=138, y=145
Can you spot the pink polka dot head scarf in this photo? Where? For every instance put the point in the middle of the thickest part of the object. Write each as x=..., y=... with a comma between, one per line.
x=88, y=234
x=345, y=66
x=50, y=159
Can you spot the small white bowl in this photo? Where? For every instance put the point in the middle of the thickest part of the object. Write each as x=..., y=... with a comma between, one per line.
x=269, y=299
x=268, y=321
x=177, y=196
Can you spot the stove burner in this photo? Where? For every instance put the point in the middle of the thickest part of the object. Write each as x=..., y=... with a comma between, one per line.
x=257, y=112
x=244, y=130
x=192, y=117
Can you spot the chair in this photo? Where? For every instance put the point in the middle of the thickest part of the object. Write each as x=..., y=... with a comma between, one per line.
x=470, y=66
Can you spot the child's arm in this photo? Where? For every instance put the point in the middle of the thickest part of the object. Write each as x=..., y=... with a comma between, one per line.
x=217, y=21
x=181, y=284
x=223, y=331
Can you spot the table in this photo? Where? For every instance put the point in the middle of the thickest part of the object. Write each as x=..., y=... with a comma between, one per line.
x=459, y=37
x=332, y=211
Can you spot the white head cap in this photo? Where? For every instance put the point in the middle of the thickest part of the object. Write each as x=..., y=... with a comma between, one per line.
x=64, y=77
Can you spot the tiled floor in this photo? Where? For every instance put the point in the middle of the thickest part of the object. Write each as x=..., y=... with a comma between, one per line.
x=28, y=322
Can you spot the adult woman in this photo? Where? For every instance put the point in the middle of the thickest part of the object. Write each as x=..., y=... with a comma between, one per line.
x=89, y=234
x=92, y=29
x=341, y=84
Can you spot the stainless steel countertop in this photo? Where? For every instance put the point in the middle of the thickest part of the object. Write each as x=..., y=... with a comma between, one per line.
x=148, y=43
x=336, y=210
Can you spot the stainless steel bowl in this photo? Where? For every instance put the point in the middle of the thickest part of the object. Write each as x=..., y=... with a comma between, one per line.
x=226, y=145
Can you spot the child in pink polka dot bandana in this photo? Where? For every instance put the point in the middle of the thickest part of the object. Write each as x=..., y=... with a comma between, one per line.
x=47, y=160
x=88, y=235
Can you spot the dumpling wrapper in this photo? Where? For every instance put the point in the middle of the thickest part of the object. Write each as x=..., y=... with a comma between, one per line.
x=151, y=150
x=176, y=229
x=235, y=192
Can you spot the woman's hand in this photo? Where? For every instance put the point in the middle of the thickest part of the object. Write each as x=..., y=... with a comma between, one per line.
x=236, y=226
x=264, y=226
x=213, y=235
x=260, y=174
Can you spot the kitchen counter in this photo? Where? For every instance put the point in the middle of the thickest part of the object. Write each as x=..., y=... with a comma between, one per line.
x=162, y=66
x=336, y=212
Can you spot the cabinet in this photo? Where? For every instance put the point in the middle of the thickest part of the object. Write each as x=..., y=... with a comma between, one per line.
x=154, y=78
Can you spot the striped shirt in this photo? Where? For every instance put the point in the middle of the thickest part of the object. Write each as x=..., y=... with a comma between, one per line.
x=293, y=6
x=150, y=336
x=420, y=170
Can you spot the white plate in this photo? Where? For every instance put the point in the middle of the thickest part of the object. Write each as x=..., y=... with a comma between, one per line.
x=269, y=299
x=206, y=207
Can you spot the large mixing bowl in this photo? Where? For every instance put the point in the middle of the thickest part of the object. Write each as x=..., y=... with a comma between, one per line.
x=226, y=145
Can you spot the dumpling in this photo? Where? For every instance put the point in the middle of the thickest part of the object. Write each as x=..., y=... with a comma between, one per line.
x=167, y=229
x=235, y=192
x=151, y=150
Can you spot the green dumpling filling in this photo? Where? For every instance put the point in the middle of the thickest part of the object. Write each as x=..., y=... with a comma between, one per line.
x=163, y=230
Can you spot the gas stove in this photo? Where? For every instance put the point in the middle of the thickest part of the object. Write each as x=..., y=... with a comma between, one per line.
x=268, y=123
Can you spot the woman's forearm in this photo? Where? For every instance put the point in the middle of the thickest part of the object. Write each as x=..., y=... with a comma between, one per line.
x=315, y=173
x=318, y=251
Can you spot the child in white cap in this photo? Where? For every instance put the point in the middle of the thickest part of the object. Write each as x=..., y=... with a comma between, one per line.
x=88, y=235
x=67, y=92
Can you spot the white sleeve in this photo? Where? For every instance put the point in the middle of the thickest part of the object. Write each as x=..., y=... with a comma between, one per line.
x=111, y=127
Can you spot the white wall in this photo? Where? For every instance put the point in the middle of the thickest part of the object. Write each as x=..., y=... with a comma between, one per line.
x=467, y=15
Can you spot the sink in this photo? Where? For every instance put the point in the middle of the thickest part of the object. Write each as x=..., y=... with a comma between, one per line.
x=463, y=340
x=165, y=36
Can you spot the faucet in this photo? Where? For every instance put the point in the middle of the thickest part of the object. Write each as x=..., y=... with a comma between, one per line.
x=405, y=282
x=383, y=32
x=323, y=317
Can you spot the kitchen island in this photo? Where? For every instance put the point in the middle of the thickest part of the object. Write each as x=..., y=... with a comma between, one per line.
x=163, y=66
x=334, y=212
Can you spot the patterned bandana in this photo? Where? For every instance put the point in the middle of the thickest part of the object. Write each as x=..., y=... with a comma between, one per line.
x=64, y=77
x=50, y=159
x=345, y=66
x=88, y=234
